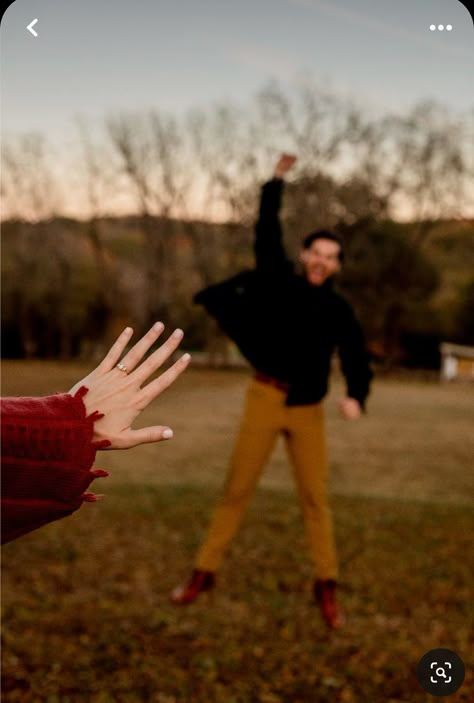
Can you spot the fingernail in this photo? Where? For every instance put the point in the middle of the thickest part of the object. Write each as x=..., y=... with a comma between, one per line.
x=178, y=333
x=185, y=357
x=128, y=330
x=158, y=326
x=167, y=434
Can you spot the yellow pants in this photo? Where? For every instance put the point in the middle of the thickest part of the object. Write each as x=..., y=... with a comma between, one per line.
x=265, y=416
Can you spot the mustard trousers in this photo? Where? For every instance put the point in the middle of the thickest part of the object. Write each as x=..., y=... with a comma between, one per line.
x=265, y=416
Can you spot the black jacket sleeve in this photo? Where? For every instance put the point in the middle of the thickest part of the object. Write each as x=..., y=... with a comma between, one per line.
x=269, y=251
x=353, y=355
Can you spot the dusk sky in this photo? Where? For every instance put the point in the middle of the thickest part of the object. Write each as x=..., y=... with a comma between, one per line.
x=93, y=58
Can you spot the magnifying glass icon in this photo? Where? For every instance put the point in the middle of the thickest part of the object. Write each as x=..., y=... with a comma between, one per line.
x=440, y=672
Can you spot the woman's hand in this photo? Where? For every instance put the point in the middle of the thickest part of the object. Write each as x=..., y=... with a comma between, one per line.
x=120, y=393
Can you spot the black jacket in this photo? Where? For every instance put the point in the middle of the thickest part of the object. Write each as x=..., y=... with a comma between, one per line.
x=283, y=325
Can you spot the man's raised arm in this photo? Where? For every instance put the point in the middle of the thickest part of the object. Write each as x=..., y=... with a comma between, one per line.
x=269, y=252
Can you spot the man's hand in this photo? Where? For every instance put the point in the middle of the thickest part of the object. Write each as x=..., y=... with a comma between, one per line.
x=350, y=408
x=284, y=163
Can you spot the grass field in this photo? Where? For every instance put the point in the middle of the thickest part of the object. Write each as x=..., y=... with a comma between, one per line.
x=86, y=615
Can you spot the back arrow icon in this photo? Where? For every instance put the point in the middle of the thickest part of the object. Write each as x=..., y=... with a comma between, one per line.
x=30, y=28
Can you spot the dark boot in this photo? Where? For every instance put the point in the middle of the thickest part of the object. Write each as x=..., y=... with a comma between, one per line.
x=325, y=594
x=200, y=581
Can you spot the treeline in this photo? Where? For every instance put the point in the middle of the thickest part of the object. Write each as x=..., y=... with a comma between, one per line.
x=191, y=186
x=61, y=300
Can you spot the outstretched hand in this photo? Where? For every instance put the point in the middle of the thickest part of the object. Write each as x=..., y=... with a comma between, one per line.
x=119, y=392
x=284, y=163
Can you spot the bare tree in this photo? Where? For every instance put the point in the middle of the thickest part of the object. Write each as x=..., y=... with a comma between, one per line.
x=433, y=161
x=29, y=184
x=152, y=152
x=419, y=165
x=111, y=304
x=32, y=195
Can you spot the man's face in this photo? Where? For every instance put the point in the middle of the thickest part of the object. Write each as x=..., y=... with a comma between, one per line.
x=321, y=261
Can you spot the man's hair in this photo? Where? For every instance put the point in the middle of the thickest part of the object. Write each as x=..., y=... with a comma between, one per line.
x=324, y=234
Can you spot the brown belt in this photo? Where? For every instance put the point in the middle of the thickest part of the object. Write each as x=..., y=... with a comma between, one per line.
x=270, y=381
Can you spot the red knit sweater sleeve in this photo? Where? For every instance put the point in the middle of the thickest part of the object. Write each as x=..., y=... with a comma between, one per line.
x=47, y=456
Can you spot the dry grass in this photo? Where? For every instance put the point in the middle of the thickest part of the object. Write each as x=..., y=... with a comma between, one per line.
x=416, y=441
x=85, y=601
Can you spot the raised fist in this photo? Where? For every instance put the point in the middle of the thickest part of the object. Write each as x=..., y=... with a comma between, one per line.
x=284, y=163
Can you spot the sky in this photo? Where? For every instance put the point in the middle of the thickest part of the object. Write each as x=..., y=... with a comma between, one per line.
x=97, y=57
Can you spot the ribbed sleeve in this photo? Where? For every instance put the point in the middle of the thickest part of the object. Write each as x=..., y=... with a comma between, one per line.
x=47, y=456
